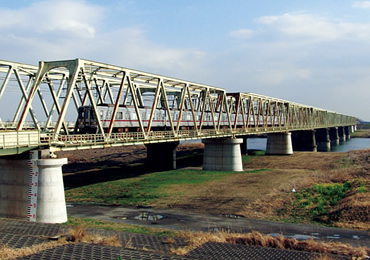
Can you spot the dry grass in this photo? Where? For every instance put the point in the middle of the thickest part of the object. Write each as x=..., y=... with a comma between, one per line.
x=75, y=235
x=351, y=212
x=257, y=239
x=14, y=253
x=324, y=257
x=79, y=234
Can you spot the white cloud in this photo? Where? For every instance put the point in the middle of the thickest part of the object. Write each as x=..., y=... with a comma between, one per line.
x=130, y=47
x=242, y=34
x=277, y=76
x=361, y=4
x=312, y=27
x=53, y=18
x=296, y=56
x=65, y=29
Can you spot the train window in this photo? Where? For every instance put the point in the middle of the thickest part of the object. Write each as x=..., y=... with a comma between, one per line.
x=87, y=114
x=101, y=114
x=119, y=116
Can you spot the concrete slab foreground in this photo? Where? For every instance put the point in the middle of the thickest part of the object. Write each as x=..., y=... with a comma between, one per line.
x=135, y=246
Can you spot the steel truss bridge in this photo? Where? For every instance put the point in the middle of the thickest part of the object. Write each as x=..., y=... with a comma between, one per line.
x=41, y=106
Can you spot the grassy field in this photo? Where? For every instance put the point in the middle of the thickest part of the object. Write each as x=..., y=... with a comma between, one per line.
x=93, y=223
x=330, y=188
x=149, y=189
x=363, y=133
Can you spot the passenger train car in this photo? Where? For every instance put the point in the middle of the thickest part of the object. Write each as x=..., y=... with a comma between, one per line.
x=127, y=121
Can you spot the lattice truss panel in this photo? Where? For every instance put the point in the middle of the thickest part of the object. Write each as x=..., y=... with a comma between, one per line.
x=96, y=85
x=117, y=99
x=16, y=81
x=253, y=111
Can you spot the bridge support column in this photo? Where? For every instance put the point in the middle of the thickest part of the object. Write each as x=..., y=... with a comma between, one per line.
x=222, y=154
x=347, y=132
x=14, y=183
x=51, y=203
x=15, y=186
x=162, y=156
x=334, y=136
x=323, y=140
x=279, y=144
x=342, y=135
x=304, y=141
x=244, y=146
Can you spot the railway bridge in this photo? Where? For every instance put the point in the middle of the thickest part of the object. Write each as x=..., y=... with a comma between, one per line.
x=81, y=104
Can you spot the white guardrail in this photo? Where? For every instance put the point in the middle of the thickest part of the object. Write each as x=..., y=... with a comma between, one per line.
x=33, y=138
x=19, y=139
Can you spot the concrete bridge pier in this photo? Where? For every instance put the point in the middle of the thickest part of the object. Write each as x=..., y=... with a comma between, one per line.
x=162, y=156
x=341, y=134
x=279, y=144
x=32, y=188
x=323, y=140
x=244, y=146
x=304, y=141
x=347, y=132
x=334, y=136
x=14, y=183
x=222, y=154
x=51, y=202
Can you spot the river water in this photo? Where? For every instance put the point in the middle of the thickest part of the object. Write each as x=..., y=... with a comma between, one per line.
x=352, y=144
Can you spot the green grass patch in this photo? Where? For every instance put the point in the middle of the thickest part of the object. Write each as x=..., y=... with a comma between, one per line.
x=251, y=154
x=361, y=133
x=321, y=196
x=314, y=203
x=98, y=224
x=141, y=190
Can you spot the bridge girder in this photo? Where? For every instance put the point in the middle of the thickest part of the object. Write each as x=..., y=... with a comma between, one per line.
x=54, y=84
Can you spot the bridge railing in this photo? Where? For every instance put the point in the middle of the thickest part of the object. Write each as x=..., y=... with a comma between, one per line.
x=10, y=139
x=34, y=138
x=65, y=142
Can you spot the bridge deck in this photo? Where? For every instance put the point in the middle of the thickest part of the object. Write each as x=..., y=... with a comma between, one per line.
x=122, y=106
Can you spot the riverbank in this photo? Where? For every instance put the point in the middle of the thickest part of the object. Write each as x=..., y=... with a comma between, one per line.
x=361, y=133
x=264, y=190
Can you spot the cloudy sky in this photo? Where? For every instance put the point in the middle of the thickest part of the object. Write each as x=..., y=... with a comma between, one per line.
x=310, y=51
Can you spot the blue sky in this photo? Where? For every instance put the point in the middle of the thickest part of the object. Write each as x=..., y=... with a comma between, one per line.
x=312, y=52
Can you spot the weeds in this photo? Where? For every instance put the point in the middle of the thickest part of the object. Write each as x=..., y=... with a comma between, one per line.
x=14, y=253
x=78, y=234
x=257, y=239
x=141, y=190
x=338, y=196
x=75, y=235
x=322, y=196
x=97, y=224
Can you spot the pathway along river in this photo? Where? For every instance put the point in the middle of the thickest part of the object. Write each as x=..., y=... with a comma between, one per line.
x=352, y=144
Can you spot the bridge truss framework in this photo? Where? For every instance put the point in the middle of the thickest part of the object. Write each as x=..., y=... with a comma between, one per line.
x=61, y=87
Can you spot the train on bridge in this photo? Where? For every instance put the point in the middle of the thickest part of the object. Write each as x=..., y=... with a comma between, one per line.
x=111, y=99
x=126, y=119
